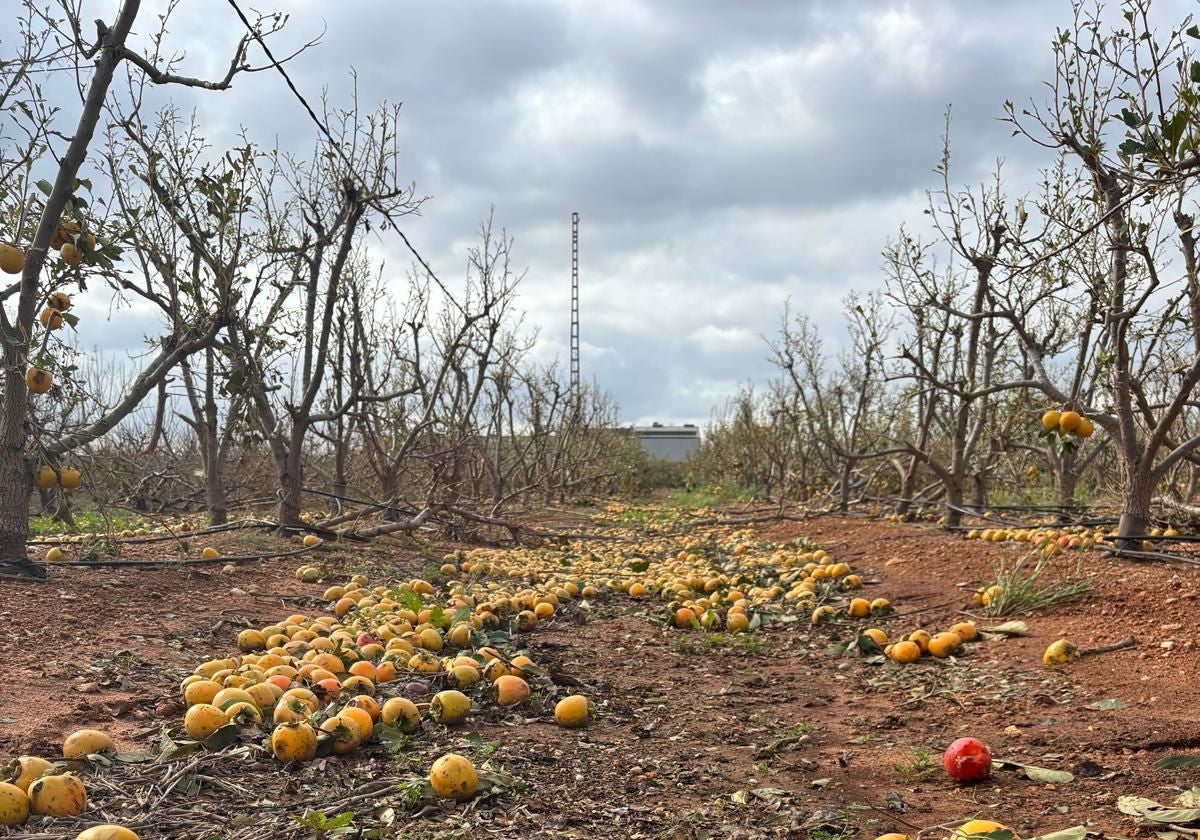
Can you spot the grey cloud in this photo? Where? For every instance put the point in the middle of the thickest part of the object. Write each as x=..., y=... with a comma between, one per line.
x=724, y=156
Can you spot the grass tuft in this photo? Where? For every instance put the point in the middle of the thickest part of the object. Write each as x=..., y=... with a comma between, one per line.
x=1034, y=582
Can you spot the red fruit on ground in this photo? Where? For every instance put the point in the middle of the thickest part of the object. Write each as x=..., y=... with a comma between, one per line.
x=967, y=760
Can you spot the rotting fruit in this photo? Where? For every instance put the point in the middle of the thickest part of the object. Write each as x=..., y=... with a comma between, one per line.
x=14, y=805
x=58, y=796
x=967, y=760
x=294, y=742
x=107, y=832
x=1061, y=652
x=26, y=769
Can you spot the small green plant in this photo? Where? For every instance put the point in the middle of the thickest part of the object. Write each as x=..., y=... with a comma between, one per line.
x=322, y=825
x=1033, y=582
x=481, y=749
x=694, y=644
x=747, y=644
x=85, y=521
x=919, y=765
x=784, y=737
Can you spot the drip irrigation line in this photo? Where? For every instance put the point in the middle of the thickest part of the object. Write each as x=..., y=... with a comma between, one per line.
x=1150, y=555
x=186, y=561
x=180, y=535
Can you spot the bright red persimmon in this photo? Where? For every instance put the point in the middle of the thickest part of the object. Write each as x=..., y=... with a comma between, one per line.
x=968, y=760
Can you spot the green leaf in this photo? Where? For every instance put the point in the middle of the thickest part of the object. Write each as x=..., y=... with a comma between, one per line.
x=1046, y=776
x=222, y=738
x=1193, y=31
x=45, y=186
x=1107, y=705
x=1131, y=147
x=340, y=821
x=1173, y=129
x=409, y=600
x=1075, y=832
x=1177, y=762
x=1130, y=119
x=866, y=645
x=1148, y=809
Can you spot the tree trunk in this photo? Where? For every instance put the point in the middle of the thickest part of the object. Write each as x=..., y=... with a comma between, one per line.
x=16, y=485
x=291, y=483
x=214, y=479
x=1137, y=491
x=980, y=494
x=1065, y=480
x=954, y=503
x=341, y=484
x=908, y=485
x=391, y=488
x=844, y=500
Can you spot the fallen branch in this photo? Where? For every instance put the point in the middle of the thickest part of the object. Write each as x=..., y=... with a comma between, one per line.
x=1127, y=642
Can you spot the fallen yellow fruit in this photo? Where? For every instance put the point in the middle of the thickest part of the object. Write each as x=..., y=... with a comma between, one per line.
x=573, y=712
x=1061, y=652
x=453, y=777
x=14, y=805
x=107, y=832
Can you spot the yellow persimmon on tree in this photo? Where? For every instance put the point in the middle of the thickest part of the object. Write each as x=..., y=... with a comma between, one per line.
x=52, y=244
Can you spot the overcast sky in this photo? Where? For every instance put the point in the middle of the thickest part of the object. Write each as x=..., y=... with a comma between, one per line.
x=723, y=156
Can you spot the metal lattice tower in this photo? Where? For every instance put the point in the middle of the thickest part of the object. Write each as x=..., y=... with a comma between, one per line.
x=575, y=390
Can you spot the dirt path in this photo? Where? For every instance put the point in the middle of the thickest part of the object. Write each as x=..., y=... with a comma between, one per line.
x=761, y=735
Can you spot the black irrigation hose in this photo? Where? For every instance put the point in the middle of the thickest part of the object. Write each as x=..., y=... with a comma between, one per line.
x=1149, y=555
x=179, y=535
x=1070, y=523
x=185, y=561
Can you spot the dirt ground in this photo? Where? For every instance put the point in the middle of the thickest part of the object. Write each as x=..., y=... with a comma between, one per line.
x=763, y=735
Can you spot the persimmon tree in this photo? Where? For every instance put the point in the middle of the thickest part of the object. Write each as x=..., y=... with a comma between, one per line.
x=44, y=205
x=316, y=214
x=1124, y=110
x=193, y=231
x=839, y=408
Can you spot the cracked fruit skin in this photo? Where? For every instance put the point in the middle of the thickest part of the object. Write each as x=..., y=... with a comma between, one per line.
x=453, y=777
x=26, y=769
x=968, y=760
x=401, y=712
x=1061, y=652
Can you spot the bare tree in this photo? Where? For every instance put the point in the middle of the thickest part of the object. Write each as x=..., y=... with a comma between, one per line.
x=315, y=227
